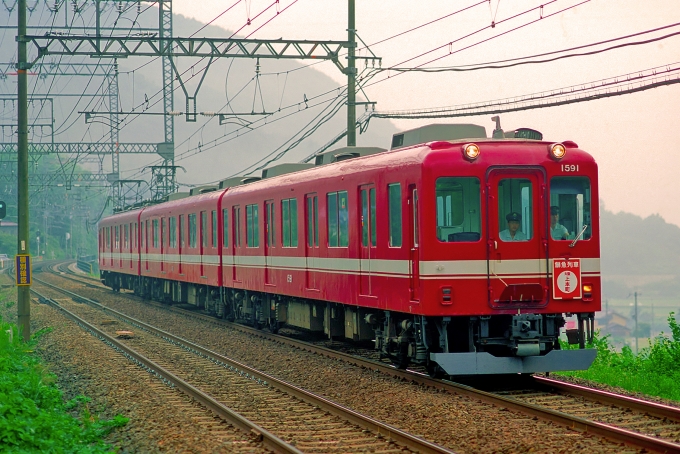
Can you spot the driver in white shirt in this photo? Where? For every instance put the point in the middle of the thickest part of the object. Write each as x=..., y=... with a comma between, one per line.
x=513, y=233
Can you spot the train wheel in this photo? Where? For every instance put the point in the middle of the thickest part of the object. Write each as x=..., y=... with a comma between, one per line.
x=273, y=327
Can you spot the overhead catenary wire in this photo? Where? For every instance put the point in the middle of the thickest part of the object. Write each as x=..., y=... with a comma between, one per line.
x=511, y=62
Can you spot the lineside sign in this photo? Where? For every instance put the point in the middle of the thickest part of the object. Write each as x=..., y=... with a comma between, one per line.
x=23, y=267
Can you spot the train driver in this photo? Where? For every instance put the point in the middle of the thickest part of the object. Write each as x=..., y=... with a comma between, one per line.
x=513, y=233
x=557, y=230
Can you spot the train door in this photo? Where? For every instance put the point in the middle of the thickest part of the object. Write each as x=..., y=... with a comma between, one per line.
x=142, y=255
x=162, y=244
x=414, y=254
x=203, y=241
x=368, y=240
x=312, y=243
x=269, y=241
x=146, y=244
x=111, y=242
x=181, y=241
x=129, y=241
x=236, y=243
x=119, y=249
x=517, y=243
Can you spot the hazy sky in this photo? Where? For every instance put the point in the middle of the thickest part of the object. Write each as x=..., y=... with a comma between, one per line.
x=633, y=137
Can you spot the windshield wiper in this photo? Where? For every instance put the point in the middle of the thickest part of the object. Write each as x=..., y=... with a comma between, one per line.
x=578, y=236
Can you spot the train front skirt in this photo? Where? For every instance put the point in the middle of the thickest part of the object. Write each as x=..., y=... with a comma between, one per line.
x=483, y=363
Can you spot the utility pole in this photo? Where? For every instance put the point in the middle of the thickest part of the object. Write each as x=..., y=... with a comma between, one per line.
x=351, y=77
x=23, y=243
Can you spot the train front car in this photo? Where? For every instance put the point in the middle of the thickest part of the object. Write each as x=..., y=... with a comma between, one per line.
x=508, y=250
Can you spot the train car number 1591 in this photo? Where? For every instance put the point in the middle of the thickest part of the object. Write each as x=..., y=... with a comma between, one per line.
x=569, y=167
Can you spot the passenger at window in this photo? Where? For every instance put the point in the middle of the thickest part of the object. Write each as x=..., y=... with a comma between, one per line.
x=557, y=230
x=513, y=233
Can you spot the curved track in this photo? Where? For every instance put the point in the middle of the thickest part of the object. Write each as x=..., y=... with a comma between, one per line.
x=314, y=423
x=635, y=422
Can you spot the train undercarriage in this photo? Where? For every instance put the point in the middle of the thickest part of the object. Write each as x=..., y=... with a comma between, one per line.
x=466, y=345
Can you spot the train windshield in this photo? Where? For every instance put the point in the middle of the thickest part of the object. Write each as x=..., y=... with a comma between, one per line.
x=458, y=209
x=570, y=208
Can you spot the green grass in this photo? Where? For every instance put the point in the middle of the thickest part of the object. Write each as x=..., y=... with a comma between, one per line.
x=34, y=418
x=655, y=371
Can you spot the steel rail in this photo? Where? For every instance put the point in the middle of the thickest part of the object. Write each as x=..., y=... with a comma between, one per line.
x=651, y=408
x=268, y=439
x=398, y=436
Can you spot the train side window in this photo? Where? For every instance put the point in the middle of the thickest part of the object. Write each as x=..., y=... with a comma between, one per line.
x=225, y=228
x=458, y=209
x=253, y=234
x=236, y=219
x=213, y=215
x=368, y=216
x=141, y=228
x=312, y=220
x=192, y=230
x=172, y=231
x=126, y=237
x=289, y=222
x=181, y=230
x=163, y=232
x=155, y=232
x=570, y=212
x=394, y=213
x=269, y=223
x=204, y=228
x=338, y=222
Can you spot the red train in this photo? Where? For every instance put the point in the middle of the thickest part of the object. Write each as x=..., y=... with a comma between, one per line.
x=451, y=250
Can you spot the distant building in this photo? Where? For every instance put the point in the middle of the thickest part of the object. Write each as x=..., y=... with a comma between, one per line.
x=615, y=324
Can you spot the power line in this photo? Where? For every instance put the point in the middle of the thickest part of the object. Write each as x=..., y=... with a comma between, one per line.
x=604, y=88
x=497, y=64
x=424, y=25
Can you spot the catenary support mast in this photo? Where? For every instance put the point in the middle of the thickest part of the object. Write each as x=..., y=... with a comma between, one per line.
x=351, y=77
x=23, y=292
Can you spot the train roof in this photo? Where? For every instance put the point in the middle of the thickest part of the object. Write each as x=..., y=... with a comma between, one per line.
x=437, y=132
x=408, y=148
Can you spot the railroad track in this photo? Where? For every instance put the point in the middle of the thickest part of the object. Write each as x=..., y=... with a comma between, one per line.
x=635, y=422
x=64, y=270
x=648, y=418
x=276, y=410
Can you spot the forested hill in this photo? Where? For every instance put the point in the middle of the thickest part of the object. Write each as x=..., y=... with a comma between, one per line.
x=639, y=253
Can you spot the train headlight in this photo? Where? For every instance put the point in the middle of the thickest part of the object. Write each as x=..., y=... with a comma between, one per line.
x=557, y=151
x=471, y=151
